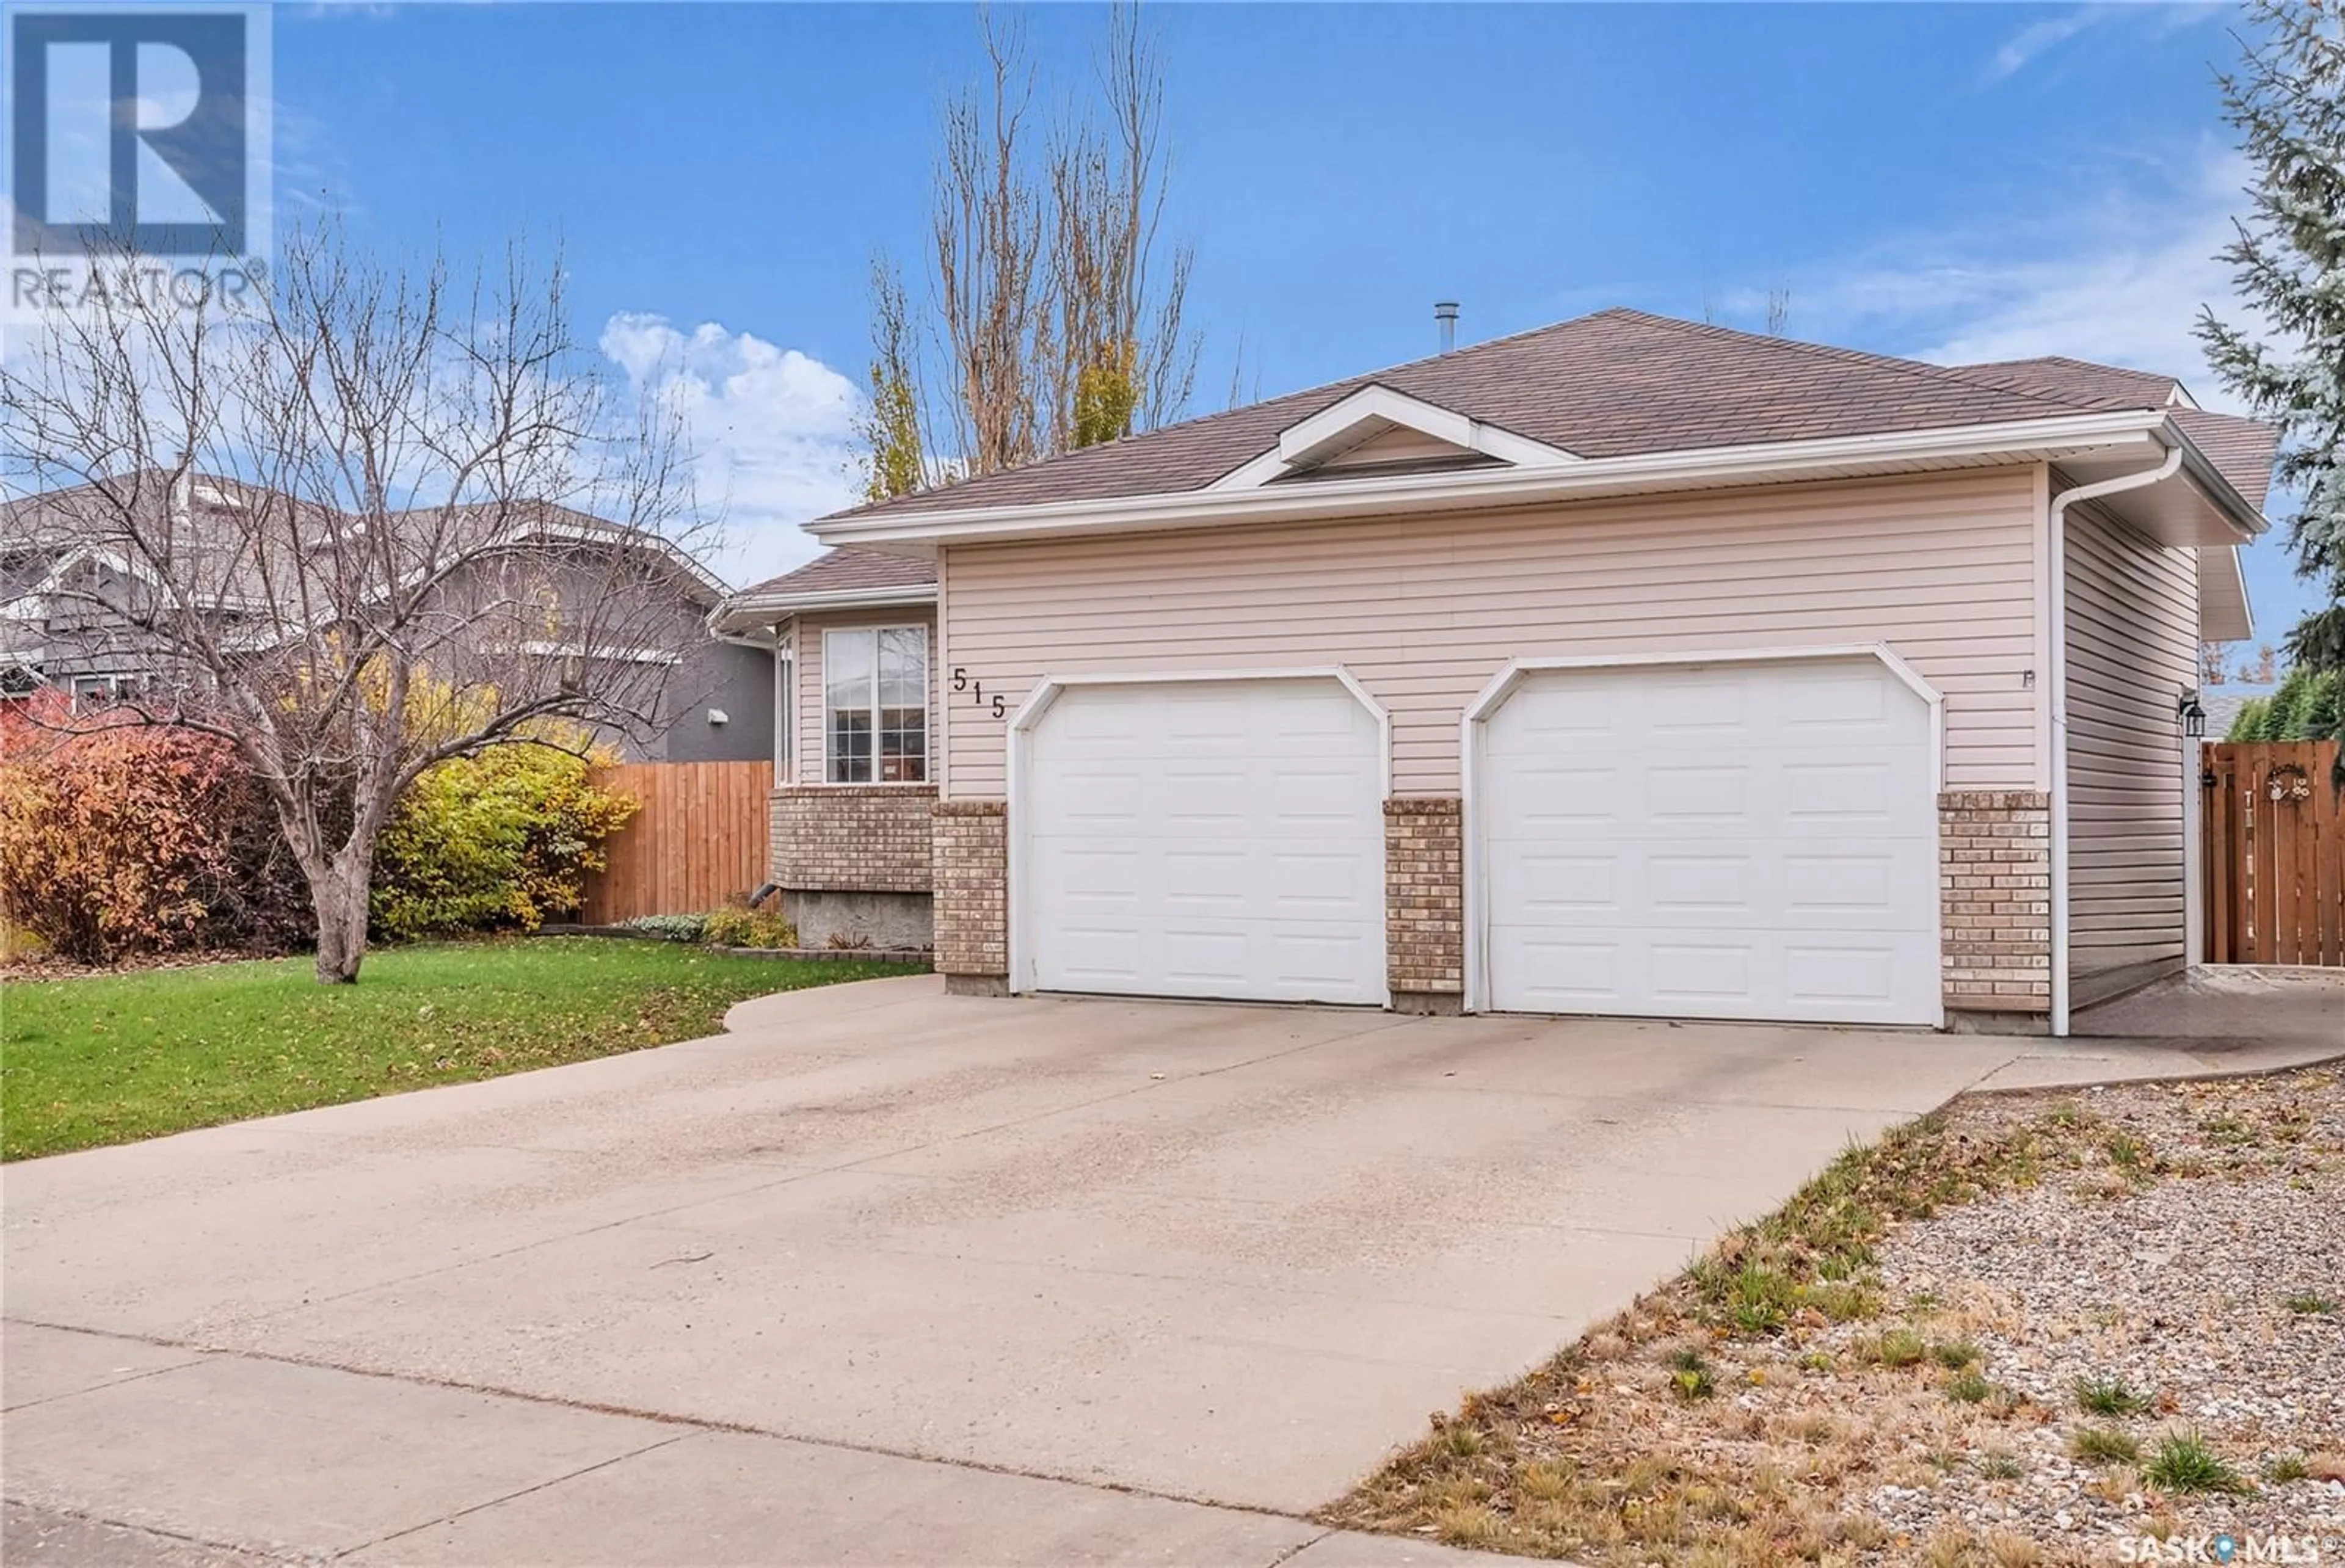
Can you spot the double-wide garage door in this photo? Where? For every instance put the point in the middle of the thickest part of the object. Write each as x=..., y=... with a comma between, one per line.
x=1733, y=840
x=1728, y=841
x=1206, y=838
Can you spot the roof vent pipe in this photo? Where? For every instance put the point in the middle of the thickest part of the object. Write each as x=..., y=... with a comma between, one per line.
x=1445, y=312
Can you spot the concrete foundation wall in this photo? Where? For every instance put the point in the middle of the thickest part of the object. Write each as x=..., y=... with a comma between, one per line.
x=825, y=918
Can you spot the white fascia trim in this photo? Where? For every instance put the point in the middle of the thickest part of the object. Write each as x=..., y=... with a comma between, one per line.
x=767, y=606
x=1048, y=690
x=1368, y=413
x=626, y=535
x=2019, y=442
x=2224, y=493
x=613, y=656
x=1502, y=686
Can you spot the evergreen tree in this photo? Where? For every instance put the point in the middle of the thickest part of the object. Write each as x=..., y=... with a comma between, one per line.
x=2288, y=102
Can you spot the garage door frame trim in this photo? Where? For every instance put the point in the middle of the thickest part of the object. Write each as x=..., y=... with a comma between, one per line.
x=1470, y=730
x=1047, y=691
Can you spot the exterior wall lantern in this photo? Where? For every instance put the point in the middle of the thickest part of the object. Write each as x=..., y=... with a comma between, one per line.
x=2192, y=713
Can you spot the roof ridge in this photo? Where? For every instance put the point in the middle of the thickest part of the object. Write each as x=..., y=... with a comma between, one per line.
x=1834, y=352
x=1346, y=385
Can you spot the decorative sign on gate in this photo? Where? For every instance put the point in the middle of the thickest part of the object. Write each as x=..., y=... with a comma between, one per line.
x=2275, y=853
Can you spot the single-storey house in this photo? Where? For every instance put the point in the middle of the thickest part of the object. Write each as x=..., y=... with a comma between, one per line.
x=1629, y=666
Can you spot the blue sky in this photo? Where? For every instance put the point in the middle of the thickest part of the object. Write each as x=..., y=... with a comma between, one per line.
x=1952, y=182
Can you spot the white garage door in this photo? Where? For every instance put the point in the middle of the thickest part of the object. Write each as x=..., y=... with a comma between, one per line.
x=1727, y=841
x=1210, y=838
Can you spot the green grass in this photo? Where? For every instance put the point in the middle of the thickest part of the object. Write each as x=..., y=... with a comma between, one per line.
x=1969, y=1387
x=114, y=1057
x=2110, y=1396
x=2184, y=1463
x=1691, y=1376
x=2105, y=1445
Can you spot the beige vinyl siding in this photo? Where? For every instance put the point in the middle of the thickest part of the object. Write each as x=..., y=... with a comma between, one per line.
x=2132, y=646
x=809, y=760
x=1425, y=612
x=1398, y=445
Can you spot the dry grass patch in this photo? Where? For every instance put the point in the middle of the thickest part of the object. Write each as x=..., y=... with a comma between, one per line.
x=1825, y=1387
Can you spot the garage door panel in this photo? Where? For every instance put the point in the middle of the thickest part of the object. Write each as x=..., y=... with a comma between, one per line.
x=1708, y=885
x=1849, y=971
x=1325, y=799
x=1585, y=713
x=1700, y=973
x=1241, y=854
x=1543, y=973
x=1536, y=798
x=1760, y=842
x=1710, y=794
x=1691, y=708
x=1322, y=885
x=1537, y=879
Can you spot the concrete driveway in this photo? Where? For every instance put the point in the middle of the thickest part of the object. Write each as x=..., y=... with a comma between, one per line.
x=883, y=1276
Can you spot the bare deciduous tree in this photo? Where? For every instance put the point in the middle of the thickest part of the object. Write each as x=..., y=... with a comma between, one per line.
x=894, y=438
x=1058, y=308
x=990, y=224
x=1125, y=359
x=386, y=518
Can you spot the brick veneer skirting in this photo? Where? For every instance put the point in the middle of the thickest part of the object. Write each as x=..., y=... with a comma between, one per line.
x=972, y=881
x=853, y=838
x=1994, y=865
x=1424, y=902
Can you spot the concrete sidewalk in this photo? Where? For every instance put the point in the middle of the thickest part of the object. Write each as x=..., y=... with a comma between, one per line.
x=883, y=1276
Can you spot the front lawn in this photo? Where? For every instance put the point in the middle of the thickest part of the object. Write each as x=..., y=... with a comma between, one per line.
x=110, y=1058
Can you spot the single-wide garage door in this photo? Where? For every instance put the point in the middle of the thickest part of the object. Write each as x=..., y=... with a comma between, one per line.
x=1728, y=841
x=1205, y=838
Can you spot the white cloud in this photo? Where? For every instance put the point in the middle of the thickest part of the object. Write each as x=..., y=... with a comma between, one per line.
x=2122, y=283
x=2037, y=39
x=771, y=430
x=2032, y=40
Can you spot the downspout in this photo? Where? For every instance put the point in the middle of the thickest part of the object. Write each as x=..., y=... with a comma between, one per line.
x=2056, y=677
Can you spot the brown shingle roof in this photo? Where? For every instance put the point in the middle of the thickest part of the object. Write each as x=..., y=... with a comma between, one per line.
x=1617, y=383
x=2078, y=381
x=848, y=572
x=2240, y=450
x=1612, y=384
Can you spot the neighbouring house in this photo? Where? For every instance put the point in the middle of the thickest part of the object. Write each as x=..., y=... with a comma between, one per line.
x=68, y=599
x=1629, y=666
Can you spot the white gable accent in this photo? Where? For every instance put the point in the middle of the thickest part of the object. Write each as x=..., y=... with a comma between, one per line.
x=1372, y=411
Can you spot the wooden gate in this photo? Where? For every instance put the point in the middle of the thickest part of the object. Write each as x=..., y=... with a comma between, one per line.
x=2275, y=853
x=697, y=841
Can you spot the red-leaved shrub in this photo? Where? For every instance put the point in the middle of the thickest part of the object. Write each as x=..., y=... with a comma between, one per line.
x=130, y=839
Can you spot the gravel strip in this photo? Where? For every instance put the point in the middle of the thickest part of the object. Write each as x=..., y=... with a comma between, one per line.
x=2178, y=1282
x=1823, y=1390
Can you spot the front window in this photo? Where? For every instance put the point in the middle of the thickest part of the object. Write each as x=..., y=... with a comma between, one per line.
x=93, y=692
x=876, y=705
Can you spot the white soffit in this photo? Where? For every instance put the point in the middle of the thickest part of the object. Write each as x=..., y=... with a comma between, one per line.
x=1370, y=412
x=2224, y=614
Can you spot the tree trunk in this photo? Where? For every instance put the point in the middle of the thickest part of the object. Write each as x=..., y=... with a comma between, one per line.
x=339, y=898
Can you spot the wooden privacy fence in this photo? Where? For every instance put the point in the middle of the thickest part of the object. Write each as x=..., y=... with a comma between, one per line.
x=696, y=840
x=2275, y=853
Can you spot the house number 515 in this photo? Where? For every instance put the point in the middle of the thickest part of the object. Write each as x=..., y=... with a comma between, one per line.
x=995, y=704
